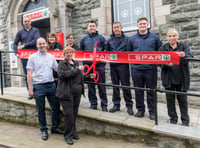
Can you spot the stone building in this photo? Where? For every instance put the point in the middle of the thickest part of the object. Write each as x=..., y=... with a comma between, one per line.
x=71, y=16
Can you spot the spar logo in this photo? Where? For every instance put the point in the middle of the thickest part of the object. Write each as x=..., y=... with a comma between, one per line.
x=166, y=57
x=100, y=56
x=149, y=57
x=113, y=56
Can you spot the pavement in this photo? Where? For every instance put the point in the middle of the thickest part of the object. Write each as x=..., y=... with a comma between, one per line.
x=19, y=136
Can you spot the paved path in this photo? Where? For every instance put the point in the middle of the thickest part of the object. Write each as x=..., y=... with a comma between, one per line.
x=18, y=136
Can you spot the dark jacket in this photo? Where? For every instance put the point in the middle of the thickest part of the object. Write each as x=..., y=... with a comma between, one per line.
x=28, y=38
x=147, y=42
x=121, y=45
x=184, y=66
x=57, y=45
x=75, y=47
x=88, y=42
x=65, y=76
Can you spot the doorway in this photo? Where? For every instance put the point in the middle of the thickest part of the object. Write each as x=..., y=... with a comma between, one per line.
x=36, y=7
x=43, y=26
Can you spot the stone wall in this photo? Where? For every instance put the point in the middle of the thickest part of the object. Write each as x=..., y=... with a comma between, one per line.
x=4, y=41
x=25, y=113
x=81, y=14
x=18, y=112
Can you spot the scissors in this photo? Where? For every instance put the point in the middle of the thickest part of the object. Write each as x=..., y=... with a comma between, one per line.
x=96, y=78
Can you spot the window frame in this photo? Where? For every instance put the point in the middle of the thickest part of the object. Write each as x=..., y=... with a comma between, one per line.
x=132, y=28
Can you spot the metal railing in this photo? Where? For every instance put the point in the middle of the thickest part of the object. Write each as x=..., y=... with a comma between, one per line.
x=155, y=90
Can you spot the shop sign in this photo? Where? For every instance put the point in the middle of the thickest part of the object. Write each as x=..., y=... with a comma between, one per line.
x=38, y=15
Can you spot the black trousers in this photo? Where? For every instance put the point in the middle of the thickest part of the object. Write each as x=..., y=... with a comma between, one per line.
x=143, y=79
x=120, y=74
x=70, y=110
x=183, y=105
x=102, y=89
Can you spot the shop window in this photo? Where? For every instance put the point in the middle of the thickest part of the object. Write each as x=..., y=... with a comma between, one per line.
x=128, y=11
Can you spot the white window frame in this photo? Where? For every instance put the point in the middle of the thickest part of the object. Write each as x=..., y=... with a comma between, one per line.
x=145, y=11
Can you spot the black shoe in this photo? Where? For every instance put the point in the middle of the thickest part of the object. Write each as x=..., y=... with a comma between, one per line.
x=173, y=122
x=76, y=137
x=30, y=97
x=139, y=114
x=93, y=107
x=44, y=135
x=130, y=111
x=69, y=141
x=114, y=109
x=185, y=124
x=152, y=117
x=57, y=131
x=104, y=109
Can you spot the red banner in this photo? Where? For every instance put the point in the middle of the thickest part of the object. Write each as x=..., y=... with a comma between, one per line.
x=151, y=57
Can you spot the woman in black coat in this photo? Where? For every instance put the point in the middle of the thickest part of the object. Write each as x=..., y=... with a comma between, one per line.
x=176, y=77
x=69, y=89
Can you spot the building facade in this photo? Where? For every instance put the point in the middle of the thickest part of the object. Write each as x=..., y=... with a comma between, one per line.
x=72, y=16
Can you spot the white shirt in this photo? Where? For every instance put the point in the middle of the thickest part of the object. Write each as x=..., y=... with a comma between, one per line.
x=42, y=65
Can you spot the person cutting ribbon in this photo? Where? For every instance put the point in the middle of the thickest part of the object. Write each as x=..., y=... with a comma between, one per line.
x=89, y=68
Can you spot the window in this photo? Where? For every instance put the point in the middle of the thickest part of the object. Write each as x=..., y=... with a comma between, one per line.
x=128, y=11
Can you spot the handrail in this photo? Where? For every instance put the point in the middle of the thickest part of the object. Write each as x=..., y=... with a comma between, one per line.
x=6, y=51
x=5, y=73
x=192, y=59
x=146, y=89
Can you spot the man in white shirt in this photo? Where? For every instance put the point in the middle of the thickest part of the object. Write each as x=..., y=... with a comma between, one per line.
x=41, y=84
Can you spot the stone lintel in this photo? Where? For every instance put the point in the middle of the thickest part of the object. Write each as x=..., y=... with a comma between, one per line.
x=162, y=10
x=160, y=20
x=157, y=3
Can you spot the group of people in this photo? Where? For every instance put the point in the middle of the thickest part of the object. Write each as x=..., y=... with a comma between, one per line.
x=69, y=88
x=174, y=77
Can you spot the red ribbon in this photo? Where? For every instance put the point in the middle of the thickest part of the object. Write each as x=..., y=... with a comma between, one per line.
x=150, y=57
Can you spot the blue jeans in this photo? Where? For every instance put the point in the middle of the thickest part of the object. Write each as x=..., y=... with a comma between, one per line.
x=40, y=92
x=24, y=64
